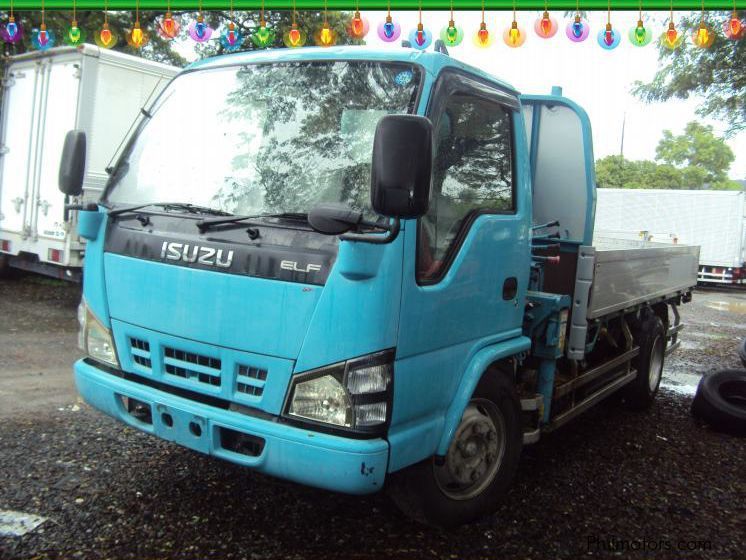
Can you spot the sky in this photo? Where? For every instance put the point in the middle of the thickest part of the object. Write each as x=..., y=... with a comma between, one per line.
x=599, y=80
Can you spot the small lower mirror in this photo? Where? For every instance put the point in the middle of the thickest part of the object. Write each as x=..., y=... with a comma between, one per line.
x=334, y=219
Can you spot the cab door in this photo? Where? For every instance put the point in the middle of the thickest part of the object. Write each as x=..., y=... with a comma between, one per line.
x=466, y=263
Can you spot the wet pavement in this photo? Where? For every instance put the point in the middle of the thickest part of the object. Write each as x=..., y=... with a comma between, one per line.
x=715, y=323
x=613, y=483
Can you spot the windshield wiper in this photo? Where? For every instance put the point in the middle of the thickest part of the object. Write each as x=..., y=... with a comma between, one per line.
x=183, y=206
x=204, y=225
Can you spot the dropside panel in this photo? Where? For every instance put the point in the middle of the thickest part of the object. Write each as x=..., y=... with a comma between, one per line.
x=624, y=278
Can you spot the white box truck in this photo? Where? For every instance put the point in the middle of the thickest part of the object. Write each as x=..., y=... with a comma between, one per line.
x=714, y=220
x=46, y=94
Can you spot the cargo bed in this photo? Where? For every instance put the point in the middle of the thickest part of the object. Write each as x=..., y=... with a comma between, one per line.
x=628, y=273
x=615, y=275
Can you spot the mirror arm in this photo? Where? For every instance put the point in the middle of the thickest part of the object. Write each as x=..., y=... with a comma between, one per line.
x=89, y=207
x=392, y=230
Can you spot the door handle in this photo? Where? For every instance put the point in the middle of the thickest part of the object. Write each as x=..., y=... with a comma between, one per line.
x=510, y=288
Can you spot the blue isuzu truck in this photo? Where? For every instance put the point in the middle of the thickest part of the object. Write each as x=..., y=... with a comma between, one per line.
x=359, y=269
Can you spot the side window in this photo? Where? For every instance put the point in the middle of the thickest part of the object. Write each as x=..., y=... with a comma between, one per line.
x=473, y=171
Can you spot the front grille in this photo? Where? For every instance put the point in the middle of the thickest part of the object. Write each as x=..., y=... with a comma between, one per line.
x=192, y=366
x=141, y=353
x=250, y=380
x=201, y=368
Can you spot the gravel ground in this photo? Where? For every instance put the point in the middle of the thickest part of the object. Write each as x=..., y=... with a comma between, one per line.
x=612, y=484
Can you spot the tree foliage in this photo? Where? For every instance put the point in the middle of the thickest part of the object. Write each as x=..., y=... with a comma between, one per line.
x=716, y=73
x=698, y=148
x=696, y=159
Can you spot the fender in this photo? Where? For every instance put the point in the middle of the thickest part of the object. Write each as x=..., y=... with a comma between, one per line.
x=472, y=374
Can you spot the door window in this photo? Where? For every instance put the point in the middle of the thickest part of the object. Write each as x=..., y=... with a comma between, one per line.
x=472, y=174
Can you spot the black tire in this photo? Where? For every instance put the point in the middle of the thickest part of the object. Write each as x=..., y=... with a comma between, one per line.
x=6, y=271
x=651, y=337
x=742, y=352
x=419, y=491
x=720, y=401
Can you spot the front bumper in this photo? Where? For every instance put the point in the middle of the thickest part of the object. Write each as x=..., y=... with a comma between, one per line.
x=326, y=461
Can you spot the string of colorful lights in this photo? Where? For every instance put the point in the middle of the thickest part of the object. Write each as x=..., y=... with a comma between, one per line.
x=420, y=37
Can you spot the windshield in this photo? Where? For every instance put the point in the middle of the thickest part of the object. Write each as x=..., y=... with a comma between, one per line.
x=264, y=138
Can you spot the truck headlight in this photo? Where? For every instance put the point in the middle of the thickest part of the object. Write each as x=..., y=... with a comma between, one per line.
x=94, y=338
x=352, y=395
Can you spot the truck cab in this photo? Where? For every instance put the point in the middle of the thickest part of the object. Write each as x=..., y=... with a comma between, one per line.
x=353, y=268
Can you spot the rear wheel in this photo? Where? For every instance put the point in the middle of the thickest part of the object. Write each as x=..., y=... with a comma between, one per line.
x=480, y=463
x=651, y=338
x=5, y=269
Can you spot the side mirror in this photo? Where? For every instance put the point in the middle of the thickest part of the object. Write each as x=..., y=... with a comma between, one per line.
x=402, y=166
x=72, y=164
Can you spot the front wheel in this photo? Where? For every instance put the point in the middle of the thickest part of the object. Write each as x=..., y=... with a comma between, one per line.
x=480, y=463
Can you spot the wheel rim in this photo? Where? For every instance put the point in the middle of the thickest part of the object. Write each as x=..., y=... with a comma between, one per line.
x=476, y=452
x=655, y=371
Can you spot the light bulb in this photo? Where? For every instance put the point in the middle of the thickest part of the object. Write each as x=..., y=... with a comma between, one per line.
x=452, y=35
x=263, y=36
x=514, y=36
x=639, y=36
x=671, y=39
x=75, y=35
x=294, y=37
x=420, y=38
x=199, y=31
x=577, y=30
x=734, y=28
x=358, y=27
x=483, y=39
x=137, y=38
x=105, y=38
x=608, y=39
x=11, y=32
x=546, y=26
x=43, y=39
x=326, y=36
x=389, y=30
x=168, y=27
x=231, y=39
x=703, y=37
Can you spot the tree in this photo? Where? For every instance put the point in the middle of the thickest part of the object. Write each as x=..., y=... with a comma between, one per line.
x=716, y=73
x=697, y=147
x=618, y=172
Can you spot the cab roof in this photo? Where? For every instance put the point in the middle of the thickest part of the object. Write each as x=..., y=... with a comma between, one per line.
x=432, y=62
